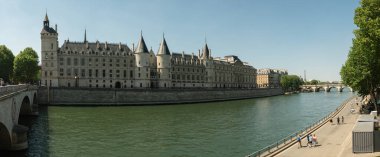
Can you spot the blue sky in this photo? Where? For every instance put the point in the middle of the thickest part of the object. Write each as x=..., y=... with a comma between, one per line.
x=296, y=35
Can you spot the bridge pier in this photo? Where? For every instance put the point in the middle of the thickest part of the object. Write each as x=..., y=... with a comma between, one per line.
x=19, y=137
x=327, y=89
x=315, y=89
x=340, y=89
x=351, y=90
x=34, y=110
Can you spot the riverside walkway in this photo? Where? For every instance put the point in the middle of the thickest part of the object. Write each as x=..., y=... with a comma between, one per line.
x=333, y=140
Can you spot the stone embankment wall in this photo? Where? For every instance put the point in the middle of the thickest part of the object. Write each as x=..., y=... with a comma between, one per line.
x=90, y=96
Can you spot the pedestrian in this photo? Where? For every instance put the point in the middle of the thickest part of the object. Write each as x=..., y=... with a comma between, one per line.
x=331, y=121
x=299, y=141
x=337, y=119
x=314, y=140
x=309, y=140
x=342, y=120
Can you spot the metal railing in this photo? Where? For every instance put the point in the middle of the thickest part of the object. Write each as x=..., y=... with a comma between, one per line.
x=292, y=137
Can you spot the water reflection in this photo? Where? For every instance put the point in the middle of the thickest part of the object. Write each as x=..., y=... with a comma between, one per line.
x=231, y=128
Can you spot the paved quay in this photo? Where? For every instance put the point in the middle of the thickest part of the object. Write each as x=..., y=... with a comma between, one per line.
x=333, y=140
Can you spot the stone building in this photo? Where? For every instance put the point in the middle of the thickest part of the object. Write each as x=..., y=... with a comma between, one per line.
x=115, y=65
x=270, y=78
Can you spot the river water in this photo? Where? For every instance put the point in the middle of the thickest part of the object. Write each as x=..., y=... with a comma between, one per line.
x=230, y=128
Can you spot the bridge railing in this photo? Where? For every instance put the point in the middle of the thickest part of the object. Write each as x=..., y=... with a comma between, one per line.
x=292, y=137
x=12, y=88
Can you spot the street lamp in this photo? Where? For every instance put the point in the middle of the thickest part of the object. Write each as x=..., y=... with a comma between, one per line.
x=76, y=80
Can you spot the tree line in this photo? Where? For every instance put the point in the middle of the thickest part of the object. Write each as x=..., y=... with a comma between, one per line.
x=361, y=70
x=20, y=69
x=290, y=83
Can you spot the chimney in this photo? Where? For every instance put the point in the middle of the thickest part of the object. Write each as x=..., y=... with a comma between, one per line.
x=56, y=28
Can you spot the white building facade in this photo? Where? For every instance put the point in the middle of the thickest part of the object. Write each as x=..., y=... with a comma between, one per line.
x=108, y=65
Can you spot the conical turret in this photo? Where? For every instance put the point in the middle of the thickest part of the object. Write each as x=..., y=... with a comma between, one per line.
x=141, y=47
x=164, y=49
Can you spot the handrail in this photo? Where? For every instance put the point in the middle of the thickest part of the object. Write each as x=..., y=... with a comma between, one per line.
x=282, y=142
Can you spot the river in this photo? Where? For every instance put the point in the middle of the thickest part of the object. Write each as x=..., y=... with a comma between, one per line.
x=229, y=128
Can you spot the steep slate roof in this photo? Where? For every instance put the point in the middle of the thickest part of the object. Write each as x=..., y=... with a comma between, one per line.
x=164, y=50
x=48, y=30
x=141, y=47
x=93, y=46
x=206, y=51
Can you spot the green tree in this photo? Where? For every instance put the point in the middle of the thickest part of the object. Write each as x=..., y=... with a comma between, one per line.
x=25, y=68
x=314, y=82
x=361, y=70
x=6, y=63
x=291, y=82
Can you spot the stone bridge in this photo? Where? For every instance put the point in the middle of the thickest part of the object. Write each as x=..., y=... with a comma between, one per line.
x=16, y=101
x=325, y=87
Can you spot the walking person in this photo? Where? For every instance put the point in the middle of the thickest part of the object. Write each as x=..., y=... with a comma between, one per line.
x=309, y=140
x=342, y=120
x=299, y=141
x=337, y=119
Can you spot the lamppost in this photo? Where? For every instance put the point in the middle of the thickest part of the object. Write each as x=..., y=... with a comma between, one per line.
x=76, y=80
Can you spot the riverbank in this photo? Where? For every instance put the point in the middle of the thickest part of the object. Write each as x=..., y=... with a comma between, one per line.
x=334, y=140
x=113, y=97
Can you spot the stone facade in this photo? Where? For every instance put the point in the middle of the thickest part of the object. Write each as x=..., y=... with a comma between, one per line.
x=112, y=96
x=270, y=78
x=109, y=65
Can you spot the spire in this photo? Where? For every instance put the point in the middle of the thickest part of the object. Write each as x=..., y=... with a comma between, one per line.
x=85, y=35
x=164, y=50
x=151, y=50
x=46, y=20
x=141, y=47
x=205, y=39
x=46, y=16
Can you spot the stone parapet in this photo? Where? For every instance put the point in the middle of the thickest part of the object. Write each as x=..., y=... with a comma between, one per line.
x=105, y=97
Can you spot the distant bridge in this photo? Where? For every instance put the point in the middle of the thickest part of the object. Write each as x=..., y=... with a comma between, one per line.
x=16, y=101
x=326, y=87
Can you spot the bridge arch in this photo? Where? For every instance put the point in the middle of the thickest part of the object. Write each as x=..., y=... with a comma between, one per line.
x=25, y=107
x=5, y=137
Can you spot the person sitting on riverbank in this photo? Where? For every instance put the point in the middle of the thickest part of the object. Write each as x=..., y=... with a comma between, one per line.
x=314, y=140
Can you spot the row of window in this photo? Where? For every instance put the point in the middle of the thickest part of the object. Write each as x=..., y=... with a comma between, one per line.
x=95, y=73
x=96, y=53
x=82, y=61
